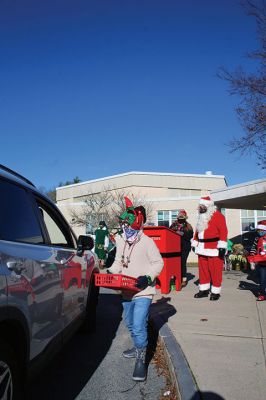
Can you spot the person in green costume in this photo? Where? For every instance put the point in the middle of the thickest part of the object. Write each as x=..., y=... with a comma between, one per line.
x=101, y=243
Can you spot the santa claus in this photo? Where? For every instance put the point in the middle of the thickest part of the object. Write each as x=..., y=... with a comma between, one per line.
x=210, y=243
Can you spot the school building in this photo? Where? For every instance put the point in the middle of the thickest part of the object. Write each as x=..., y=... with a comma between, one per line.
x=166, y=193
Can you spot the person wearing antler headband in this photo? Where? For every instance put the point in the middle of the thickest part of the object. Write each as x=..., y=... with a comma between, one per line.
x=137, y=256
x=210, y=244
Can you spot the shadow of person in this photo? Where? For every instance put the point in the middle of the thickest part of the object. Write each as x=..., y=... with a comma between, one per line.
x=207, y=396
x=162, y=309
x=243, y=285
x=190, y=276
x=160, y=312
x=71, y=369
x=253, y=276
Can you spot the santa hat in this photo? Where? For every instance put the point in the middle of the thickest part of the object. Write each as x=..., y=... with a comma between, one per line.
x=262, y=225
x=182, y=214
x=135, y=216
x=206, y=201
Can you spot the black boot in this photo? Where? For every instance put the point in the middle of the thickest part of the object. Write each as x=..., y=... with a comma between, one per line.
x=201, y=293
x=140, y=370
x=214, y=296
x=130, y=353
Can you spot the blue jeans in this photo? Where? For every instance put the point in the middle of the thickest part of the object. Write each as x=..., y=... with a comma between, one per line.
x=262, y=274
x=136, y=313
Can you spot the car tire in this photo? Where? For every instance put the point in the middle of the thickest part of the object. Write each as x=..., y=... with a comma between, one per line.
x=10, y=378
x=89, y=325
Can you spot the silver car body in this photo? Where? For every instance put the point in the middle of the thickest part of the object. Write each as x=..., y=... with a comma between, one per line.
x=45, y=286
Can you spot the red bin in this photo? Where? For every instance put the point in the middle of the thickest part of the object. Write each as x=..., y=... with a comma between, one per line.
x=169, y=244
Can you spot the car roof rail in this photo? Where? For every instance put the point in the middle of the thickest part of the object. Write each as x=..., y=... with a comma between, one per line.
x=10, y=171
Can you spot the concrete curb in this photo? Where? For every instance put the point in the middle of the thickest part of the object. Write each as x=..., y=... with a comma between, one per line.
x=181, y=374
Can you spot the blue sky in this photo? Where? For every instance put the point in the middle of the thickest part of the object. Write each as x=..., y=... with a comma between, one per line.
x=97, y=88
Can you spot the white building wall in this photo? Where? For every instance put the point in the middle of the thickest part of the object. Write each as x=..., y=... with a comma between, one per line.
x=162, y=191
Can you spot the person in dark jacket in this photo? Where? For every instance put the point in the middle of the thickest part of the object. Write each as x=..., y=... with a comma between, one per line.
x=185, y=230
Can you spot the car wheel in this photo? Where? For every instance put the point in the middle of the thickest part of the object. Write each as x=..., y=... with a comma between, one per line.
x=10, y=382
x=89, y=324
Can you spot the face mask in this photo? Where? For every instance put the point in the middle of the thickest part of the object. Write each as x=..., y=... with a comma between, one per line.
x=202, y=210
x=180, y=221
x=261, y=233
x=129, y=232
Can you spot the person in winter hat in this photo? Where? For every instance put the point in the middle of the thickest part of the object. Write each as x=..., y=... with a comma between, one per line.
x=185, y=230
x=259, y=248
x=101, y=243
x=137, y=256
x=210, y=244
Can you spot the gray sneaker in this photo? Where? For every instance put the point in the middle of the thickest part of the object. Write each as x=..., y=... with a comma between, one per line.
x=130, y=353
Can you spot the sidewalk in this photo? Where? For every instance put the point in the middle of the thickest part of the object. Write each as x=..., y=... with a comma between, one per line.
x=224, y=341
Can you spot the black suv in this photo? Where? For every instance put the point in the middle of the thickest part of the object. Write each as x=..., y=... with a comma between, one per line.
x=47, y=286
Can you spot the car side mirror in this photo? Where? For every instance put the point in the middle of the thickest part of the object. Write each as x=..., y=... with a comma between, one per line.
x=84, y=243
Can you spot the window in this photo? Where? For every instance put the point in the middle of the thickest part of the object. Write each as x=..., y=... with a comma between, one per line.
x=261, y=214
x=17, y=219
x=57, y=234
x=250, y=219
x=166, y=218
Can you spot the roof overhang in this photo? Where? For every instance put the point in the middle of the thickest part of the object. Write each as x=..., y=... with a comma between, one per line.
x=247, y=196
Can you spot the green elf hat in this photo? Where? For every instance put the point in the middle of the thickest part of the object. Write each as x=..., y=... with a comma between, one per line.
x=135, y=216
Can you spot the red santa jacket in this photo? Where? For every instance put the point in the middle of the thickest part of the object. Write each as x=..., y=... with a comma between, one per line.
x=262, y=245
x=258, y=250
x=214, y=237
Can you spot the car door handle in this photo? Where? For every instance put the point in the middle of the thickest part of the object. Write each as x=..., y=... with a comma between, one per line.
x=15, y=266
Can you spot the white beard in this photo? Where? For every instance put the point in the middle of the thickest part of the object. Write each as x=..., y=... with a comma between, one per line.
x=204, y=218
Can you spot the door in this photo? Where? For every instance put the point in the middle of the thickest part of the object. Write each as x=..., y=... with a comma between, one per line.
x=25, y=261
x=72, y=267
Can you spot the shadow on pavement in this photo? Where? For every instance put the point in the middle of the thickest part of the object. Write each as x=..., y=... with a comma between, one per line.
x=207, y=396
x=254, y=276
x=71, y=369
x=252, y=287
x=163, y=309
x=243, y=285
x=190, y=276
x=160, y=312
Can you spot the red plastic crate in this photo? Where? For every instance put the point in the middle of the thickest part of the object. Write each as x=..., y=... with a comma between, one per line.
x=116, y=281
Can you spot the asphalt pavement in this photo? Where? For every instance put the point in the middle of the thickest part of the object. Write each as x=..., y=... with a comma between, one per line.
x=93, y=368
x=112, y=380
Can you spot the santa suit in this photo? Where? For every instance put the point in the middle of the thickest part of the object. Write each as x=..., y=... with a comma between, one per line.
x=206, y=244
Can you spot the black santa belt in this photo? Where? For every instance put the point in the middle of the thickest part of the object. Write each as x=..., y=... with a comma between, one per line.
x=209, y=240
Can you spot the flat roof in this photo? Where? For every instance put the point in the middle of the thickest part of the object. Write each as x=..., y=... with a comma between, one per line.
x=246, y=196
x=206, y=175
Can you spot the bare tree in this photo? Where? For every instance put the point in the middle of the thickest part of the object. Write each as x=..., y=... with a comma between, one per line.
x=106, y=205
x=94, y=210
x=251, y=88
